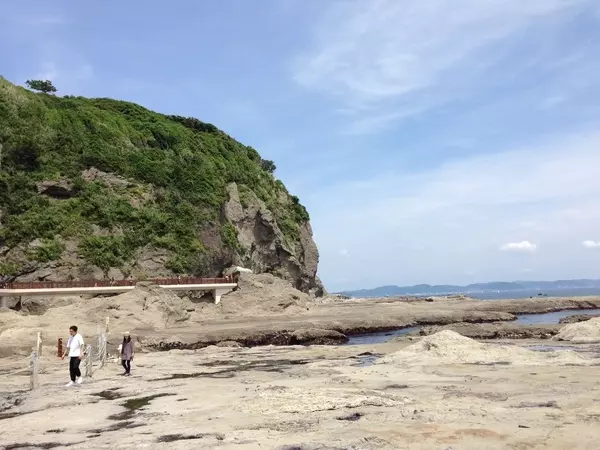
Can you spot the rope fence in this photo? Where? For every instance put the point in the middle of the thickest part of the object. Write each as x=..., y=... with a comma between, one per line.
x=17, y=370
x=94, y=358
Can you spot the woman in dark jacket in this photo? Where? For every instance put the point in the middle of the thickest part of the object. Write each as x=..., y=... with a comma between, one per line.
x=127, y=353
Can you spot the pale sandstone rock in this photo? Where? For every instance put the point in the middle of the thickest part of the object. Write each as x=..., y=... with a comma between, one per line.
x=584, y=332
x=449, y=347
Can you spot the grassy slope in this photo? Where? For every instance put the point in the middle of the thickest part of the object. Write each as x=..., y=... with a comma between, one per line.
x=180, y=166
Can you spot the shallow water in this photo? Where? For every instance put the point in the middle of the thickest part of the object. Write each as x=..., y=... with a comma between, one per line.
x=522, y=319
x=366, y=359
x=588, y=351
x=551, y=318
x=379, y=337
x=551, y=348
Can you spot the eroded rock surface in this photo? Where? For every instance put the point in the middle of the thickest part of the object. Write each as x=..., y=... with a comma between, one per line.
x=496, y=330
x=264, y=248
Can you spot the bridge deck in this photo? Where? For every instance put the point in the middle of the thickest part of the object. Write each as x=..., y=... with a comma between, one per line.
x=218, y=286
x=109, y=289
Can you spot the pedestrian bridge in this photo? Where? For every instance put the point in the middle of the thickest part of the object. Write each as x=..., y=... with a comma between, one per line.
x=218, y=286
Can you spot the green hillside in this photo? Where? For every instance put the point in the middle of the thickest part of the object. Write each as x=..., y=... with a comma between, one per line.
x=175, y=169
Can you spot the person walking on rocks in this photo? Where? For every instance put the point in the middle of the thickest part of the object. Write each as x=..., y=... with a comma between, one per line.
x=127, y=353
x=75, y=351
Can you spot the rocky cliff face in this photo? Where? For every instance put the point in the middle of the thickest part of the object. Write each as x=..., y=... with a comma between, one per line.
x=264, y=248
x=261, y=246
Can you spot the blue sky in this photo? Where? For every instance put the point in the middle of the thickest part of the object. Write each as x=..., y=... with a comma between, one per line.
x=432, y=142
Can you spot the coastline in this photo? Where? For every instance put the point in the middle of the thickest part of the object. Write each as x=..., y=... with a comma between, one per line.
x=355, y=318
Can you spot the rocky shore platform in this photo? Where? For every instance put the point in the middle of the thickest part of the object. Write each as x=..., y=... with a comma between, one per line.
x=265, y=310
x=268, y=368
x=442, y=391
x=332, y=323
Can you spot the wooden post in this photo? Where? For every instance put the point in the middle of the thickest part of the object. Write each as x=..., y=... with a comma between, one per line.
x=60, y=347
x=99, y=348
x=38, y=345
x=33, y=381
x=106, y=325
x=89, y=362
x=103, y=351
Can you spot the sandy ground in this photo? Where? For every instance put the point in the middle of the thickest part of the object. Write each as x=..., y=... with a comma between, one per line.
x=320, y=397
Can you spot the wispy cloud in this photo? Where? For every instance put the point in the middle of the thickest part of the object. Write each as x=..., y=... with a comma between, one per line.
x=521, y=176
x=522, y=247
x=591, y=244
x=390, y=59
x=464, y=209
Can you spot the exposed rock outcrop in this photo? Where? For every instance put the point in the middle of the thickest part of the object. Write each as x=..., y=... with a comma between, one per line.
x=108, y=179
x=497, y=330
x=575, y=318
x=185, y=341
x=581, y=332
x=57, y=189
x=264, y=294
x=264, y=247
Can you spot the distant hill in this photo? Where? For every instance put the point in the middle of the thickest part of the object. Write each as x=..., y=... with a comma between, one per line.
x=422, y=289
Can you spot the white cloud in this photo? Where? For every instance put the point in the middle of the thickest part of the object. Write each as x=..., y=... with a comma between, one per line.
x=591, y=244
x=523, y=246
x=517, y=177
x=390, y=59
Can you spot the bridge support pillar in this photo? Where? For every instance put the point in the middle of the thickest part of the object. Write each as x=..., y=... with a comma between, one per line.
x=217, y=292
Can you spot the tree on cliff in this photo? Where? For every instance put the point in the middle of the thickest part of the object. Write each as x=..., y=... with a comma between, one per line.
x=268, y=165
x=44, y=86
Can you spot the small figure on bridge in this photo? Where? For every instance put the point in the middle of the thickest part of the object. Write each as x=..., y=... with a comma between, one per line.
x=75, y=350
x=127, y=353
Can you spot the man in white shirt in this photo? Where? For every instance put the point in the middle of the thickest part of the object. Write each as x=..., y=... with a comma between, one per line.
x=76, y=350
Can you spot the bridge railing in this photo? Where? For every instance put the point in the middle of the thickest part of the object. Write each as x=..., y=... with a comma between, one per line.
x=109, y=283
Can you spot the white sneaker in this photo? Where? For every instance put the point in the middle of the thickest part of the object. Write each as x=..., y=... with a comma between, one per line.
x=69, y=384
x=79, y=380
